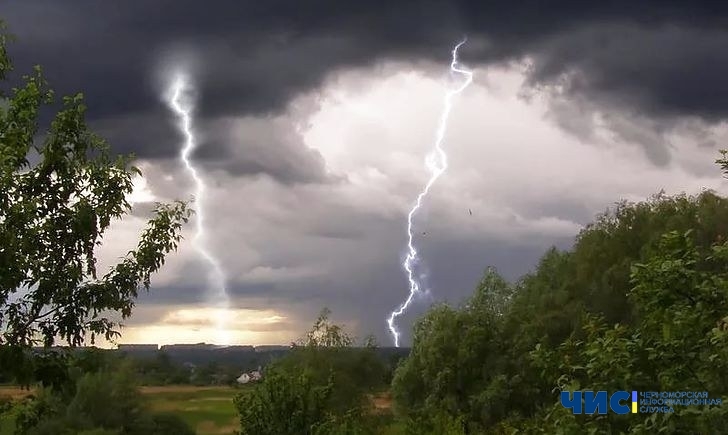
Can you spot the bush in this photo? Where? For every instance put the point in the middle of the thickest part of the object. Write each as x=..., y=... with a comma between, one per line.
x=320, y=387
x=281, y=404
x=166, y=423
x=35, y=410
x=103, y=403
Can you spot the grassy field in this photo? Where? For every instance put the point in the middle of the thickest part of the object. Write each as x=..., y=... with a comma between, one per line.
x=209, y=410
x=7, y=422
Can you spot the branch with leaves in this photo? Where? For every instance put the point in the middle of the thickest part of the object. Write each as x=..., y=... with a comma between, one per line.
x=53, y=214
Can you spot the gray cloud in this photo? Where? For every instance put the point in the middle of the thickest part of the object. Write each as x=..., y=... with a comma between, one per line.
x=260, y=146
x=662, y=59
x=300, y=223
x=668, y=69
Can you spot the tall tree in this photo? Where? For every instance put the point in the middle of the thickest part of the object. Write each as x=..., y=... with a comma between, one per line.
x=321, y=387
x=455, y=366
x=57, y=198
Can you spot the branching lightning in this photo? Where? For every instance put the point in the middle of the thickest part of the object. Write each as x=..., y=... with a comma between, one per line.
x=436, y=163
x=183, y=107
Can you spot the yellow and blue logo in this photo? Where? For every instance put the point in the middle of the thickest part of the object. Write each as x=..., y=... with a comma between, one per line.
x=625, y=402
x=597, y=402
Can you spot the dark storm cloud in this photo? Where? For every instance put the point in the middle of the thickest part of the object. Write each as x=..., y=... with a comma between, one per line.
x=254, y=55
x=255, y=147
x=662, y=58
x=649, y=63
x=666, y=70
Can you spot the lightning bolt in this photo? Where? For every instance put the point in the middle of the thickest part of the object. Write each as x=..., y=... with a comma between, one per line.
x=183, y=108
x=436, y=163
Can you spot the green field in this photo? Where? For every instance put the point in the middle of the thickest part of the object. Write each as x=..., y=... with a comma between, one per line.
x=209, y=410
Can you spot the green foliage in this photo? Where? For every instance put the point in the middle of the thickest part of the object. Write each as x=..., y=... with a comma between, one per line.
x=283, y=404
x=102, y=402
x=436, y=423
x=454, y=365
x=167, y=423
x=639, y=303
x=161, y=370
x=210, y=410
x=353, y=422
x=57, y=369
x=57, y=198
x=52, y=216
x=100, y=432
x=680, y=293
x=327, y=354
x=320, y=387
x=326, y=334
x=35, y=413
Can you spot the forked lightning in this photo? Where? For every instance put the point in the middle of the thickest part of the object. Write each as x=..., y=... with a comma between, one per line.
x=182, y=105
x=436, y=163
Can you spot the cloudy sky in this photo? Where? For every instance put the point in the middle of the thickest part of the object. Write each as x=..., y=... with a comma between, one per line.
x=314, y=119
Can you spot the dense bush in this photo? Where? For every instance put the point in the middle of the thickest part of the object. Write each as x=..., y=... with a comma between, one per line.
x=639, y=303
x=320, y=387
x=102, y=402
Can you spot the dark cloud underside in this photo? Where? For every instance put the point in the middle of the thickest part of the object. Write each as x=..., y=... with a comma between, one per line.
x=662, y=58
x=295, y=241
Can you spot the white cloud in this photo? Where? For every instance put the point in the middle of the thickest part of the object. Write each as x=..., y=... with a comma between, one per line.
x=528, y=183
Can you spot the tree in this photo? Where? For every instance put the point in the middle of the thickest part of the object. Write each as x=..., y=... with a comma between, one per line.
x=319, y=388
x=679, y=343
x=328, y=353
x=454, y=370
x=568, y=289
x=57, y=198
x=107, y=401
x=284, y=403
x=638, y=303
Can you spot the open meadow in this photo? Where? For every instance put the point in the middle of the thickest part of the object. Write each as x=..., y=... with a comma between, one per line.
x=209, y=410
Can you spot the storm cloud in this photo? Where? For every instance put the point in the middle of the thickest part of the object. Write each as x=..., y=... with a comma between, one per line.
x=662, y=59
x=314, y=118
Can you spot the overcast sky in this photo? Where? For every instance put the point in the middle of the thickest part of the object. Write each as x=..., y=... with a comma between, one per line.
x=315, y=117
